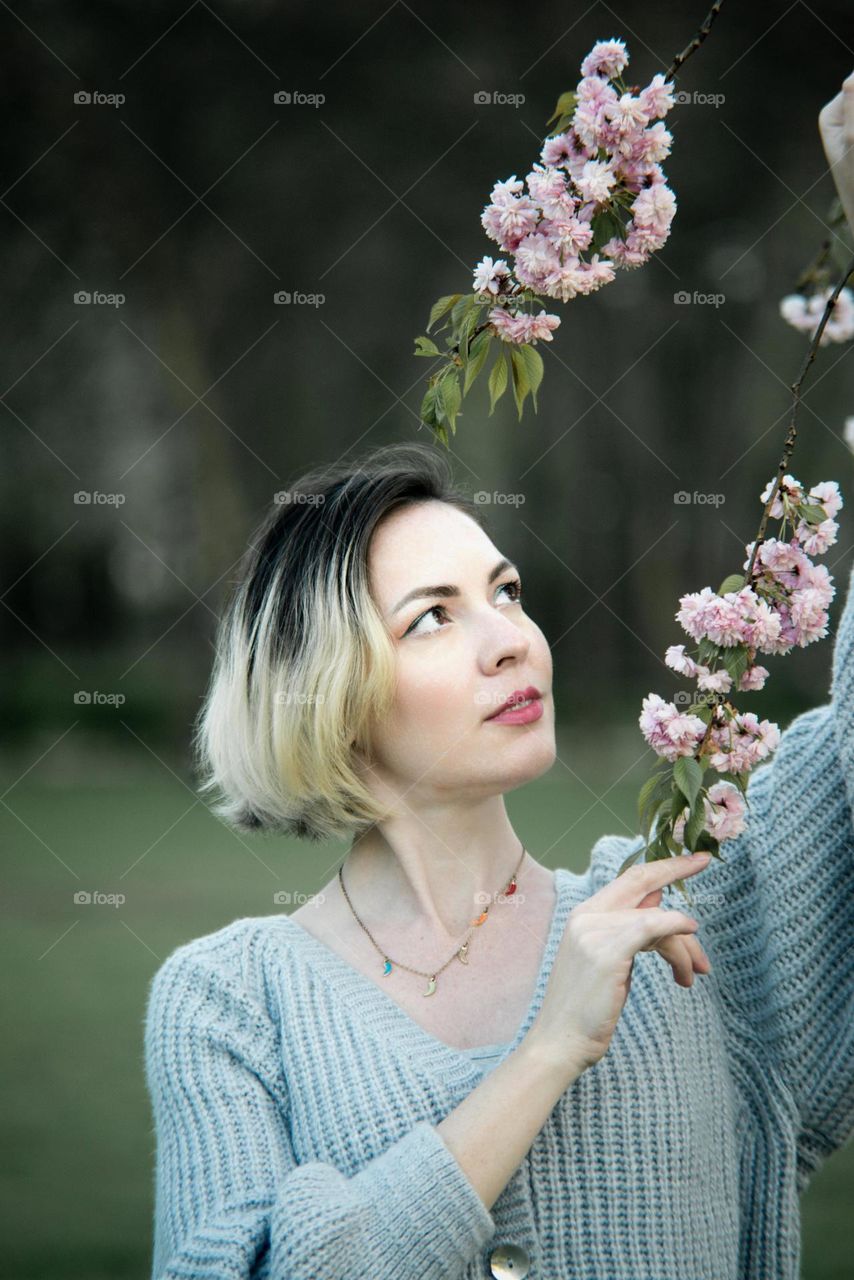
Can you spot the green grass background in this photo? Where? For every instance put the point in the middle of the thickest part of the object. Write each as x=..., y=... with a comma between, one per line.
x=77, y=1136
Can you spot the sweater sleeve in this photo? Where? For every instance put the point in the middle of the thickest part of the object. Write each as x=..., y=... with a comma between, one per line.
x=232, y=1201
x=781, y=924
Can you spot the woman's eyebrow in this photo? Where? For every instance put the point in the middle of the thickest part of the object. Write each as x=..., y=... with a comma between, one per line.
x=445, y=591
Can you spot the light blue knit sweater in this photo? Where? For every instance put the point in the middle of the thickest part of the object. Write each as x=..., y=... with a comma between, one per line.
x=295, y=1103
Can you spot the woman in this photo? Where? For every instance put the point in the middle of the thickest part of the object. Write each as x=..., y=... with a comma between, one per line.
x=557, y=1107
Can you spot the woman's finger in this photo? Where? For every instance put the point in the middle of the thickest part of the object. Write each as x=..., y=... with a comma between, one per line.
x=701, y=962
x=642, y=879
x=677, y=955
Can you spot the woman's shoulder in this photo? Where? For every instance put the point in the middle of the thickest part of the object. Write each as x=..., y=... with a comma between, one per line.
x=229, y=964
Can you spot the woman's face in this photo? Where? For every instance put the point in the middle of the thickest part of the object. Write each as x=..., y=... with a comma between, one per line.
x=459, y=657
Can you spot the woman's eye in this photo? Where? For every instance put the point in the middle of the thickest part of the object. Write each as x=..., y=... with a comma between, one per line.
x=514, y=587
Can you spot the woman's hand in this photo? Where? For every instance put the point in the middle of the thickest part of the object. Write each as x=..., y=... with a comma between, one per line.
x=836, y=125
x=592, y=971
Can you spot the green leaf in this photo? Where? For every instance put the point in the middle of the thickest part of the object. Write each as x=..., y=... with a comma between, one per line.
x=439, y=308
x=647, y=791
x=467, y=327
x=812, y=514
x=735, y=661
x=605, y=226
x=450, y=397
x=654, y=793
x=655, y=811
x=702, y=710
x=428, y=407
x=733, y=582
x=565, y=105
x=706, y=843
x=688, y=774
x=633, y=857
x=521, y=384
x=533, y=368
x=461, y=309
x=497, y=381
x=708, y=651
x=739, y=779
x=427, y=347
x=477, y=355
x=695, y=824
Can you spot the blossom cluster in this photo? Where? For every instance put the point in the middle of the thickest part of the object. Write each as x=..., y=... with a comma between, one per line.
x=784, y=604
x=804, y=313
x=605, y=165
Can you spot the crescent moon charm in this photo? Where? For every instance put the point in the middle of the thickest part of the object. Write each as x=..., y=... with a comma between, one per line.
x=387, y=968
x=431, y=987
x=462, y=954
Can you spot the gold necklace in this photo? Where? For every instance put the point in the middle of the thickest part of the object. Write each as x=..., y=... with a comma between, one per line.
x=461, y=953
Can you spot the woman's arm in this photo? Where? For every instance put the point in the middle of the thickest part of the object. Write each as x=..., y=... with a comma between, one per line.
x=778, y=916
x=836, y=126
x=231, y=1198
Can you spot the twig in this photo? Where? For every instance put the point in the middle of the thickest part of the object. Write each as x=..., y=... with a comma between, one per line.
x=696, y=42
x=792, y=432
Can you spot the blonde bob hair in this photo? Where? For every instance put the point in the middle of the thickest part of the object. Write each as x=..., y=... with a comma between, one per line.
x=304, y=665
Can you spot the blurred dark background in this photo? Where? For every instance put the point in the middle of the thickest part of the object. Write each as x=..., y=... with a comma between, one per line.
x=182, y=396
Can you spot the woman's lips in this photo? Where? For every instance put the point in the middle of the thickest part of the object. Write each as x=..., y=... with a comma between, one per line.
x=525, y=713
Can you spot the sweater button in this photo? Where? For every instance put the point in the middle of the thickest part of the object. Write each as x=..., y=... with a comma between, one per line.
x=509, y=1262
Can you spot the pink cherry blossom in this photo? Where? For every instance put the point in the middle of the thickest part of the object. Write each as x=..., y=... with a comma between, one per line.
x=519, y=327
x=489, y=276
x=607, y=58
x=668, y=731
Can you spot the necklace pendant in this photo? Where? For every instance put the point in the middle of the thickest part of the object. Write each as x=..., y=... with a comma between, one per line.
x=462, y=954
x=480, y=919
x=511, y=888
x=431, y=987
x=387, y=966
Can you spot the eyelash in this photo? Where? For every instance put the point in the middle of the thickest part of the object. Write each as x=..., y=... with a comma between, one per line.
x=438, y=608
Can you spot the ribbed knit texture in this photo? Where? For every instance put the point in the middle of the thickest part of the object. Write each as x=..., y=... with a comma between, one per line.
x=295, y=1103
